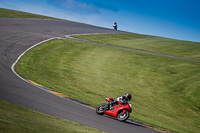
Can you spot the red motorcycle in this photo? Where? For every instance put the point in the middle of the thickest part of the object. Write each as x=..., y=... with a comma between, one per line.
x=119, y=110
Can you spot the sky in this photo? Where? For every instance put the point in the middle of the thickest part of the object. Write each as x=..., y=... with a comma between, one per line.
x=177, y=19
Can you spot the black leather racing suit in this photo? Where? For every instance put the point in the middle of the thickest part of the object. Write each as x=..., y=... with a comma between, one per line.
x=121, y=99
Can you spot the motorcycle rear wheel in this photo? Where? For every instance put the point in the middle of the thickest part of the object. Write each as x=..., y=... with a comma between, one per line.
x=123, y=116
x=101, y=108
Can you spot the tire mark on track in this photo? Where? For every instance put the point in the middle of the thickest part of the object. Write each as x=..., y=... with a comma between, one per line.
x=144, y=51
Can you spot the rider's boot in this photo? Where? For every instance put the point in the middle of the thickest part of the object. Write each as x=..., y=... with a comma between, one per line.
x=108, y=106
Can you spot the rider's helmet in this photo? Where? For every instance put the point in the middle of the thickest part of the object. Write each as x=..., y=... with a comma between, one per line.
x=128, y=97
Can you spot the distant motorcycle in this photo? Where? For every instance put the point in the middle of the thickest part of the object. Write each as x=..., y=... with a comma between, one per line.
x=119, y=110
x=115, y=25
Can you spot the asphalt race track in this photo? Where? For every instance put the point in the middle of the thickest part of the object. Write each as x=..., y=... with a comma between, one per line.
x=17, y=35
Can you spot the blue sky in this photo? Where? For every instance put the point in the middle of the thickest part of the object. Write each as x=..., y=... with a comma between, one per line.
x=178, y=19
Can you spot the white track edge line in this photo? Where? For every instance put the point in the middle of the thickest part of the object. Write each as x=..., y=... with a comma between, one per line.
x=13, y=70
x=13, y=66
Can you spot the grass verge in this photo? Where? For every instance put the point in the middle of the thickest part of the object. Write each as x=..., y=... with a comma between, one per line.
x=168, y=46
x=7, y=13
x=15, y=119
x=165, y=90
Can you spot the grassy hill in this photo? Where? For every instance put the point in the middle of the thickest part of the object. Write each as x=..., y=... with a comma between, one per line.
x=165, y=90
x=156, y=44
x=174, y=47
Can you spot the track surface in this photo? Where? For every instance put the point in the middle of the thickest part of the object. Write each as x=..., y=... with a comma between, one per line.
x=16, y=35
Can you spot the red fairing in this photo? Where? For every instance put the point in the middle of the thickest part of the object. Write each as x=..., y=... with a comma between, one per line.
x=117, y=108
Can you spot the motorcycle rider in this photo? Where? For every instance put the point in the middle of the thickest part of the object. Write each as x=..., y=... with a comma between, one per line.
x=123, y=99
x=115, y=25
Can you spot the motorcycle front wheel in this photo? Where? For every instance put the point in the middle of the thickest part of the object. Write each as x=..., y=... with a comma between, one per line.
x=101, y=108
x=123, y=116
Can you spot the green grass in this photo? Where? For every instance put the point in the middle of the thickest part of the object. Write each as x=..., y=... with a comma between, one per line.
x=165, y=90
x=7, y=13
x=15, y=119
x=185, y=49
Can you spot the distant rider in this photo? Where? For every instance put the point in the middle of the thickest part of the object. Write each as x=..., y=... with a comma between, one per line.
x=123, y=99
x=115, y=25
